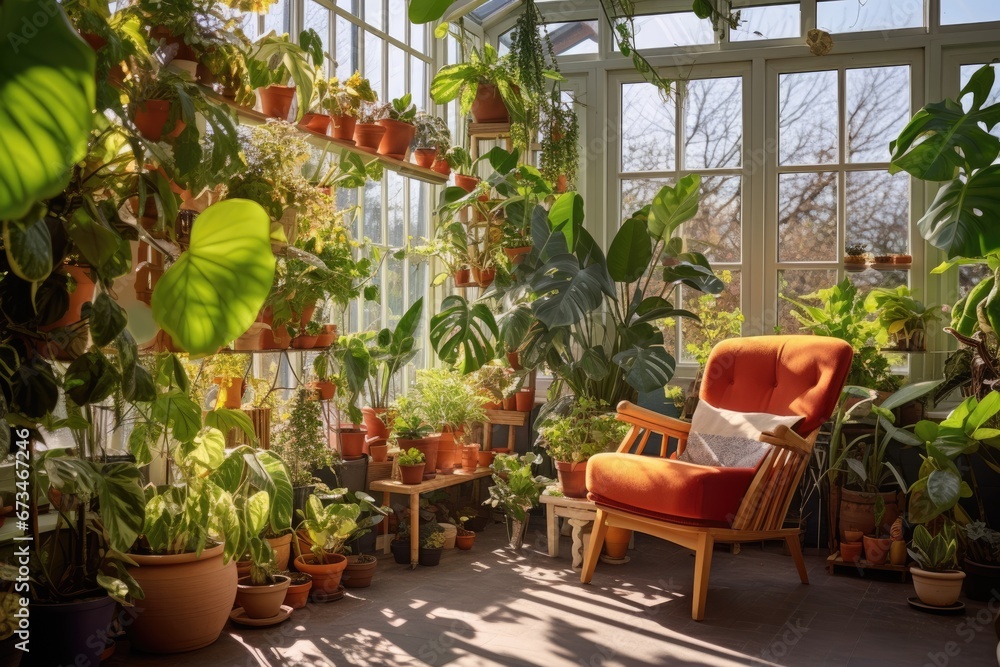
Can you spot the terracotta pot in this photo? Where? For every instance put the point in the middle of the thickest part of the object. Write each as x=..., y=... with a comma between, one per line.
x=298, y=593
x=380, y=453
x=853, y=535
x=488, y=105
x=442, y=167
x=397, y=138
x=306, y=315
x=938, y=589
x=412, y=474
x=897, y=552
x=429, y=557
x=187, y=603
x=446, y=453
x=304, y=342
x=316, y=122
x=429, y=447
x=373, y=422
x=467, y=183
x=424, y=157
x=493, y=405
x=234, y=391
x=516, y=255
x=561, y=184
x=360, y=570
x=64, y=633
x=261, y=601
x=324, y=389
x=327, y=336
x=83, y=293
x=573, y=478
x=616, y=542
x=850, y=551
x=483, y=277
x=486, y=458
x=325, y=576
x=525, y=400
x=510, y=404
x=352, y=443
x=151, y=116
x=857, y=511
x=465, y=539
x=343, y=128
x=514, y=360
x=877, y=549
x=276, y=101
x=470, y=458
x=368, y=137
x=276, y=338
x=461, y=278
x=282, y=546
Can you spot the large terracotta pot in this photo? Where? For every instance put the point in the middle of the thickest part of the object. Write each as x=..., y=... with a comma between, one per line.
x=412, y=474
x=442, y=167
x=462, y=277
x=467, y=183
x=429, y=447
x=424, y=157
x=373, y=422
x=877, y=549
x=359, y=572
x=857, y=511
x=938, y=589
x=379, y=450
x=352, y=442
x=446, y=453
x=317, y=122
x=470, y=457
x=187, y=600
x=63, y=633
x=83, y=293
x=343, y=128
x=525, y=400
x=276, y=101
x=616, y=542
x=151, y=116
x=368, y=137
x=516, y=255
x=573, y=478
x=484, y=277
x=486, y=458
x=326, y=576
x=851, y=551
x=261, y=601
x=488, y=106
x=397, y=138
x=298, y=591
x=465, y=539
x=282, y=549
x=234, y=391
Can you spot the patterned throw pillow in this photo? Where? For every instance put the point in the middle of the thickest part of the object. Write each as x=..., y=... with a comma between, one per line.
x=729, y=439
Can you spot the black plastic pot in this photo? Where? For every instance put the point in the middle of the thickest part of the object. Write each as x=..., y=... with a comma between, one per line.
x=69, y=633
x=401, y=551
x=430, y=557
x=476, y=524
x=300, y=494
x=980, y=580
x=352, y=475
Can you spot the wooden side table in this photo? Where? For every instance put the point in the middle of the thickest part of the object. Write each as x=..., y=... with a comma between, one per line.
x=580, y=511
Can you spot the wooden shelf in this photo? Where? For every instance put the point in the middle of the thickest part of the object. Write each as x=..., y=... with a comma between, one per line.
x=507, y=417
x=835, y=563
x=402, y=167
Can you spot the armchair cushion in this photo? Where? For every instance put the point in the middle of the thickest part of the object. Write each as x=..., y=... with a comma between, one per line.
x=668, y=489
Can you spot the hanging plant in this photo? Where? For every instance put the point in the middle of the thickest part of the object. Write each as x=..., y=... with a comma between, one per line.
x=560, y=142
x=529, y=57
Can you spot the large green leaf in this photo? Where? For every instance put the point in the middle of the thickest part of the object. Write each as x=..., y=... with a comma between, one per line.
x=257, y=512
x=203, y=454
x=943, y=138
x=647, y=369
x=46, y=102
x=226, y=419
x=673, y=206
x=215, y=290
x=962, y=219
x=90, y=378
x=281, y=500
x=107, y=320
x=425, y=11
x=567, y=293
x=122, y=504
x=566, y=216
x=176, y=410
x=29, y=248
x=460, y=333
x=630, y=252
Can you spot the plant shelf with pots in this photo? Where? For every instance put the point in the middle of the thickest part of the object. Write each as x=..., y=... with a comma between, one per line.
x=408, y=169
x=834, y=563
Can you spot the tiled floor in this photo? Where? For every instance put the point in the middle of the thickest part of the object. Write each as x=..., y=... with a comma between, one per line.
x=490, y=606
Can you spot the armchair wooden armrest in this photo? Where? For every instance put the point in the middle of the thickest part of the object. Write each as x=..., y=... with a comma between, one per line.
x=648, y=421
x=786, y=438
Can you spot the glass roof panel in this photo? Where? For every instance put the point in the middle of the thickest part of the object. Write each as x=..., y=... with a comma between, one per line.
x=491, y=7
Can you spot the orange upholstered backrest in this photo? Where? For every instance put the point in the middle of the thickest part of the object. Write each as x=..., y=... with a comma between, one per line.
x=782, y=375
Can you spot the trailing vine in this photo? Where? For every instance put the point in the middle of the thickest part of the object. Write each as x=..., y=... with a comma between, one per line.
x=529, y=60
x=560, y=142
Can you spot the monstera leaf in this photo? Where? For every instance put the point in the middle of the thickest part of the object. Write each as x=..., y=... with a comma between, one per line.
x=214, y=292
x=46, y=102
x=962, y=219
x=461, y=328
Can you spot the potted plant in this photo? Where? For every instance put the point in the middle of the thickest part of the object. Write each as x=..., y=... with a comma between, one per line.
x=301, y=443
x=317, y=118
x=431, y=137
x=516, y=490
x=982, y=560
x=904, y=317
x=411, y=465
x=399, y=128
x=877, y=545
x=275, y=62
x=856, y=256
x=262, y=593
x=586, y=428
x=299, y=586
x=347, y=97
x=431, y=544
x=459, y=161
x=936, y=577
x=450, y=405
x=361, y=567
x=486, y=86
x=465, y=539
x=470, y=457
x=560, y=150
x=229, y=371
x=368, y=132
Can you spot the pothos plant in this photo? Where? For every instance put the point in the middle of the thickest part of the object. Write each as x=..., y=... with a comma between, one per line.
x=560, y=154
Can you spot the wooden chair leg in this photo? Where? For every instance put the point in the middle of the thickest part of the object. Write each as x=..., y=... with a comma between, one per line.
x=702, y=569
x=597, y=536
x=796, y=550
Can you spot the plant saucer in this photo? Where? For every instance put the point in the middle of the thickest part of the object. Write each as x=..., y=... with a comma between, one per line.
x=608, y=560
x=955, y=609
x=239, y=616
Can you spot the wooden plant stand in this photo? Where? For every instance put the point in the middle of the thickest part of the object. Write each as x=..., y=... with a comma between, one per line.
x=836, y=564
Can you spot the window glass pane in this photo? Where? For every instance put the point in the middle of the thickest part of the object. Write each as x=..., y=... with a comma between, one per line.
x=397, y=19
x=573, y=38
x=970, y=276
x=878, y=207
x=854, y=16
x=373, y=211
x=373, y=63
x=275, y=18
x=647, y=129
x=969, y=11
x=250, y=24
x=865, y=281
x=397, y=74
x=418, y=82
x=373, y=14
x=657, y=31
x=717, y=229
x=807, y=118
x=767, y=22
x=393, y=294
x=878, y=107
x=718, y=318
x=373, y=309
x=419, y=198
x=317, y=17
x=394, y=222
x=347, y=48
x=807, y=217
x=637, y=192
x=713, y=123
x=966, y=73
x=417, y=36
x=797, y=283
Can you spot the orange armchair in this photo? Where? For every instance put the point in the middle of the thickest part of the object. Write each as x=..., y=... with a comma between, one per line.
x=696, y=506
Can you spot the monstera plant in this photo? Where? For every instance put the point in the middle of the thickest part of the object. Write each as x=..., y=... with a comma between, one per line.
x=589, y=317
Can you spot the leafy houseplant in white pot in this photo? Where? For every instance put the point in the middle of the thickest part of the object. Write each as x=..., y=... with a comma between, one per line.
x=936, y=577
